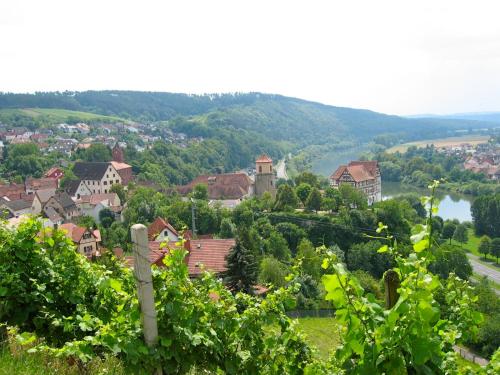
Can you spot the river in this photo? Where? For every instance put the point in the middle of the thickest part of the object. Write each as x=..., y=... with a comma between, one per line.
x=451, y=206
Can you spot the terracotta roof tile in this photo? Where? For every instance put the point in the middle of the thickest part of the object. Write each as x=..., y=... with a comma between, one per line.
x=264, y=159
x=158, y=226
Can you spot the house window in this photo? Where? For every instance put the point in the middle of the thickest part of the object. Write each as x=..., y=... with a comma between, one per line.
x=117, y=181
x=260, y=168
x=114, y=175
x=105, y=191
x=87, y=250
x=86, y=236
x=105, y=183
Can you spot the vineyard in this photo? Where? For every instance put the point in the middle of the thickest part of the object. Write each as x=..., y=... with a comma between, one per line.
x=55, y=302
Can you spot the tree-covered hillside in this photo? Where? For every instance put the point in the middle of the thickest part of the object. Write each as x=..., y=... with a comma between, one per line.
x=276, y=117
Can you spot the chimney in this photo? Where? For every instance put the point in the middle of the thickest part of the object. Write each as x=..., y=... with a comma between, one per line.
x=187, y=244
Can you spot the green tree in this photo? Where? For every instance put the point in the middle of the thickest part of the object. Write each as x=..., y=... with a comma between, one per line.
x=314, y=200
x=120, y=191
x=97, y=152
x=106, y=217
x=460, y=235
x=292, y=233
x=200, y=191
x=495, y=247
x=227, y=228
x=286, y=199
x=86, y=222
x=485, y=212
x=311, y=261
x=352, y=197
x=303, y=191
x=272, y=271
x=484, y=246
x=448, y=259
x=277, y=246
x=364, y=256
x=308, y=178
x=448, y=230
x=242, y=270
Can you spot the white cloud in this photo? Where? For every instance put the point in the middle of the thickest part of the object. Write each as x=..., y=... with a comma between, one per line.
x=391, y=56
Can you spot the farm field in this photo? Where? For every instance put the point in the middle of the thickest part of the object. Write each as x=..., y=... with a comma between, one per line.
x=441, y=142
x=57, y=115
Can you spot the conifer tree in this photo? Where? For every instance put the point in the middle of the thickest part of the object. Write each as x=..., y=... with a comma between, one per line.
x=484, y=246
x=314, y=200
x=242, y=269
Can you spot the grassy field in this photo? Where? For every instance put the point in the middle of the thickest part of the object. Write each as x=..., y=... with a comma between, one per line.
x=441, y=142
x=57, y=115
x=322, y=333
x=472, y=246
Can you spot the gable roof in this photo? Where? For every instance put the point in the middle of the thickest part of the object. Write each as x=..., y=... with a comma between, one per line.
x=204, y=254
x=94, y=199
x=359, y=170
x=119, y=166
x=221, y=186
x=52, y=215
x=264, y=159
x=40, y=183
x=45, y=195
x=65, y=201
x=158, y=226
x=76, y=232
x=52, y=171
x=72, y=187
x=90, y=170
x=16, y=205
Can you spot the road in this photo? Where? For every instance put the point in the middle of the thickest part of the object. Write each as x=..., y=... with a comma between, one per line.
x=483, y=270
x=281, y=169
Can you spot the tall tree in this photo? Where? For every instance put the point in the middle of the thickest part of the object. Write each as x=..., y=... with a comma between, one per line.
x=278, y=247
x=448, y=230
x=286, y=199
x=242, y=269
x=484, y=246
x=303, y=191
x=314, y=200
x=460, y=235
x=226, y=228
x=495, y=247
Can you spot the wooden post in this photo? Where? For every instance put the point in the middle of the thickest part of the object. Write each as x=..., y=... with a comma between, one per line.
x=142, y=272
x=391, y=280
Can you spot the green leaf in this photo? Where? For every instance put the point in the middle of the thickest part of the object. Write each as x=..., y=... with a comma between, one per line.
x=421, y=245
x=324, y=264
x=115, y=284
x=383, y=249
x=356, y=346
x=3, y=291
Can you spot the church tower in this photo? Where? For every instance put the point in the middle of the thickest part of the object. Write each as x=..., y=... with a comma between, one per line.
x=265, y=179
x=118, y=154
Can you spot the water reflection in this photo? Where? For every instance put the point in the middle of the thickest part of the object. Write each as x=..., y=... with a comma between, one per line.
x=451, y=206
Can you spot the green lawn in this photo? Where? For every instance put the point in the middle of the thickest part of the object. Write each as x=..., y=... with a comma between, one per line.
x=322, y=333
x=16, y=361
x=472, y=246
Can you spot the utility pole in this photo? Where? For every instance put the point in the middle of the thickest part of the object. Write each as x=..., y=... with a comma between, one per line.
x=193, y=217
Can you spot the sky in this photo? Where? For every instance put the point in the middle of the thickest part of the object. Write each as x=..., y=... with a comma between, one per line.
x=398, y=57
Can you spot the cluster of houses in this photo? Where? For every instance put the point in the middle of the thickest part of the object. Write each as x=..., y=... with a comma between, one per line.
x=87, y=196
x=486, y=160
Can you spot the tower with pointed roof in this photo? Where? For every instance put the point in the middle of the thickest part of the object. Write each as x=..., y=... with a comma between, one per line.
x=118, y=154
x=265, y=179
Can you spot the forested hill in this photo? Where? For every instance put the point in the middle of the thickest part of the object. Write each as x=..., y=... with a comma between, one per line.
x=276, y=117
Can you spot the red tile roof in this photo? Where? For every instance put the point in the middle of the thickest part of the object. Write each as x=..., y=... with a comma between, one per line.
x=158, y=226
x=359, y=170
x=204, y=254
x=76, y=232
x=264, y=159
x=41, y=183
x=221, y=186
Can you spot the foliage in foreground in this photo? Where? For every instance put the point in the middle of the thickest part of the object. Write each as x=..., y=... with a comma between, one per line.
x=73, y=308
x=414, y=335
